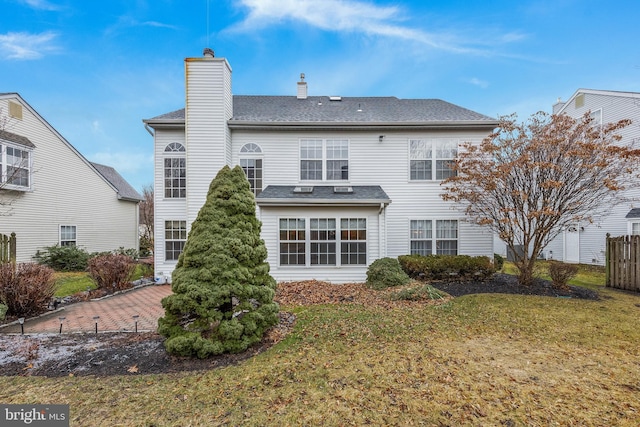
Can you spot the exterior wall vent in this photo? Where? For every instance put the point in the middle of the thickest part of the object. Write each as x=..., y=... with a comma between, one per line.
x=335, y=98
x=343, y=189
x=303, y=190
x=15, y=110
x=580, y=100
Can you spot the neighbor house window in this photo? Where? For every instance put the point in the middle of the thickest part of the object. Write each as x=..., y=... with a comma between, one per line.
x=432, y=159
x=15, y=167
x=324, y=160
x=68, y=235
x=251, y=163
x=319, y=241
x=635, y=228
x=175, y=236
x=423, y=241
x=175, y=171
x=292, y=241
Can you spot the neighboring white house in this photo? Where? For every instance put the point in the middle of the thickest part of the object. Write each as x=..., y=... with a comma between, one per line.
x=584, y=242
x=339, y=181
x=51, y=195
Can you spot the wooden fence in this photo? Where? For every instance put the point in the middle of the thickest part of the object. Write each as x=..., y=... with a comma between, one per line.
x=8, y=248
x=623, y=262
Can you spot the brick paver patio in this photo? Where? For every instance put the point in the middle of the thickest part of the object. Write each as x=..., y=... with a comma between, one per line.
x=115, y=314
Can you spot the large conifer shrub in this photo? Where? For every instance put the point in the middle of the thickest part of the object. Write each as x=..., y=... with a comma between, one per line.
x=222, y=299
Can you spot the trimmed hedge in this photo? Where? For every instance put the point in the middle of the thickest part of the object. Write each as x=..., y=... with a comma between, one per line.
x=447, y=267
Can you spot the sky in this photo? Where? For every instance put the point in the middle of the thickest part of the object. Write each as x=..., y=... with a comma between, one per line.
x=94, y=69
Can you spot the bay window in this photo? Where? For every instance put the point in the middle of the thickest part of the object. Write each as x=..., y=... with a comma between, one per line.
x=319, y=241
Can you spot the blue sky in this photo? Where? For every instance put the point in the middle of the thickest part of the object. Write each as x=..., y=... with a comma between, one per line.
x=95, y=69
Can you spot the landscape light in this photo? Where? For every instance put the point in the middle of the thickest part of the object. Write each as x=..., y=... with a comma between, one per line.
x=61, y=321
x=21, y=320
x=96, y=319
x=135, y=320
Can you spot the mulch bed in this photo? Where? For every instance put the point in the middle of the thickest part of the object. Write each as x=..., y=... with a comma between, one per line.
x=133, y=354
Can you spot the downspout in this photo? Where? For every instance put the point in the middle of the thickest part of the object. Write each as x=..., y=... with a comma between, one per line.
x=148, y=128
x=381, y=240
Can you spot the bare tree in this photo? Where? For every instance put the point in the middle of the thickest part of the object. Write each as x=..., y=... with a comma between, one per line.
x=528, y=181
x=146, y=217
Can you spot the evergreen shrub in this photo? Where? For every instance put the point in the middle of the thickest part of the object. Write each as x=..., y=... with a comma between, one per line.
x=384, y=273
x=222, y=299
x=63, y=258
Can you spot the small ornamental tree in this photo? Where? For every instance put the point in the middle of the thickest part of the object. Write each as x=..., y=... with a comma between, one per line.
x=529, y=181
x=222, y=299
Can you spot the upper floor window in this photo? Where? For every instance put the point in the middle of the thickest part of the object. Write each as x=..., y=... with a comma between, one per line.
x=432, y=159
x=68, y=235
x=15, y=168
x=251, y=163
x=324, y=160
x=175, y=171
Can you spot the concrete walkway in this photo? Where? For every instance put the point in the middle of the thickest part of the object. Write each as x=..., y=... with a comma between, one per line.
x=115, y=314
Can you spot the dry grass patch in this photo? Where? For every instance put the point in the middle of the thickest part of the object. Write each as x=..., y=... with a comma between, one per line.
x=476, y=360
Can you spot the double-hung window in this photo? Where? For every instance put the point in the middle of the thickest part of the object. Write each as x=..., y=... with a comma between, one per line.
x=324, y=160
x=292, y=241
x=423, y=240
x=175, y=236
x=68, y=235
x=323, y=241
x=432, y=159
x=175, y=171
x=251, y=164
x=15, y=168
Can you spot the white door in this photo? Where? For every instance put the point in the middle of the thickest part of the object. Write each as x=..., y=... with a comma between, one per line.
x=572, y=244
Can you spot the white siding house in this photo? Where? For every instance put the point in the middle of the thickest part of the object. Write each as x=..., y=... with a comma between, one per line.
x=584, y=242
x=51, y=195
x=339, y=181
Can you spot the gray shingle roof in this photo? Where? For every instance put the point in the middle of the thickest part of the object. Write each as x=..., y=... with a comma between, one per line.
x=348, y=110
x=18, y=139
x=284, y=195
x=125, y=191
x=633, y=213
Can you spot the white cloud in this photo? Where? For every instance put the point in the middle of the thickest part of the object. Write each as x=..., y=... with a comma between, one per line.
x=26, y=45
x=125, y=22
x=41, y=4
x=477, y=82
x=358, y=16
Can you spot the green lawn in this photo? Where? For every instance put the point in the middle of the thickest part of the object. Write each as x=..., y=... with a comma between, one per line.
x=485, y=360
x=78, y=281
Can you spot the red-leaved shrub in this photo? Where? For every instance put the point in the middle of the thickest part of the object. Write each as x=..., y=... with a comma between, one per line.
x=112, y=271
x=26, y=289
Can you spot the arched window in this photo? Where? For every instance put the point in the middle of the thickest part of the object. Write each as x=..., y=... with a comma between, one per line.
x=251, y=163
x=175, y=171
